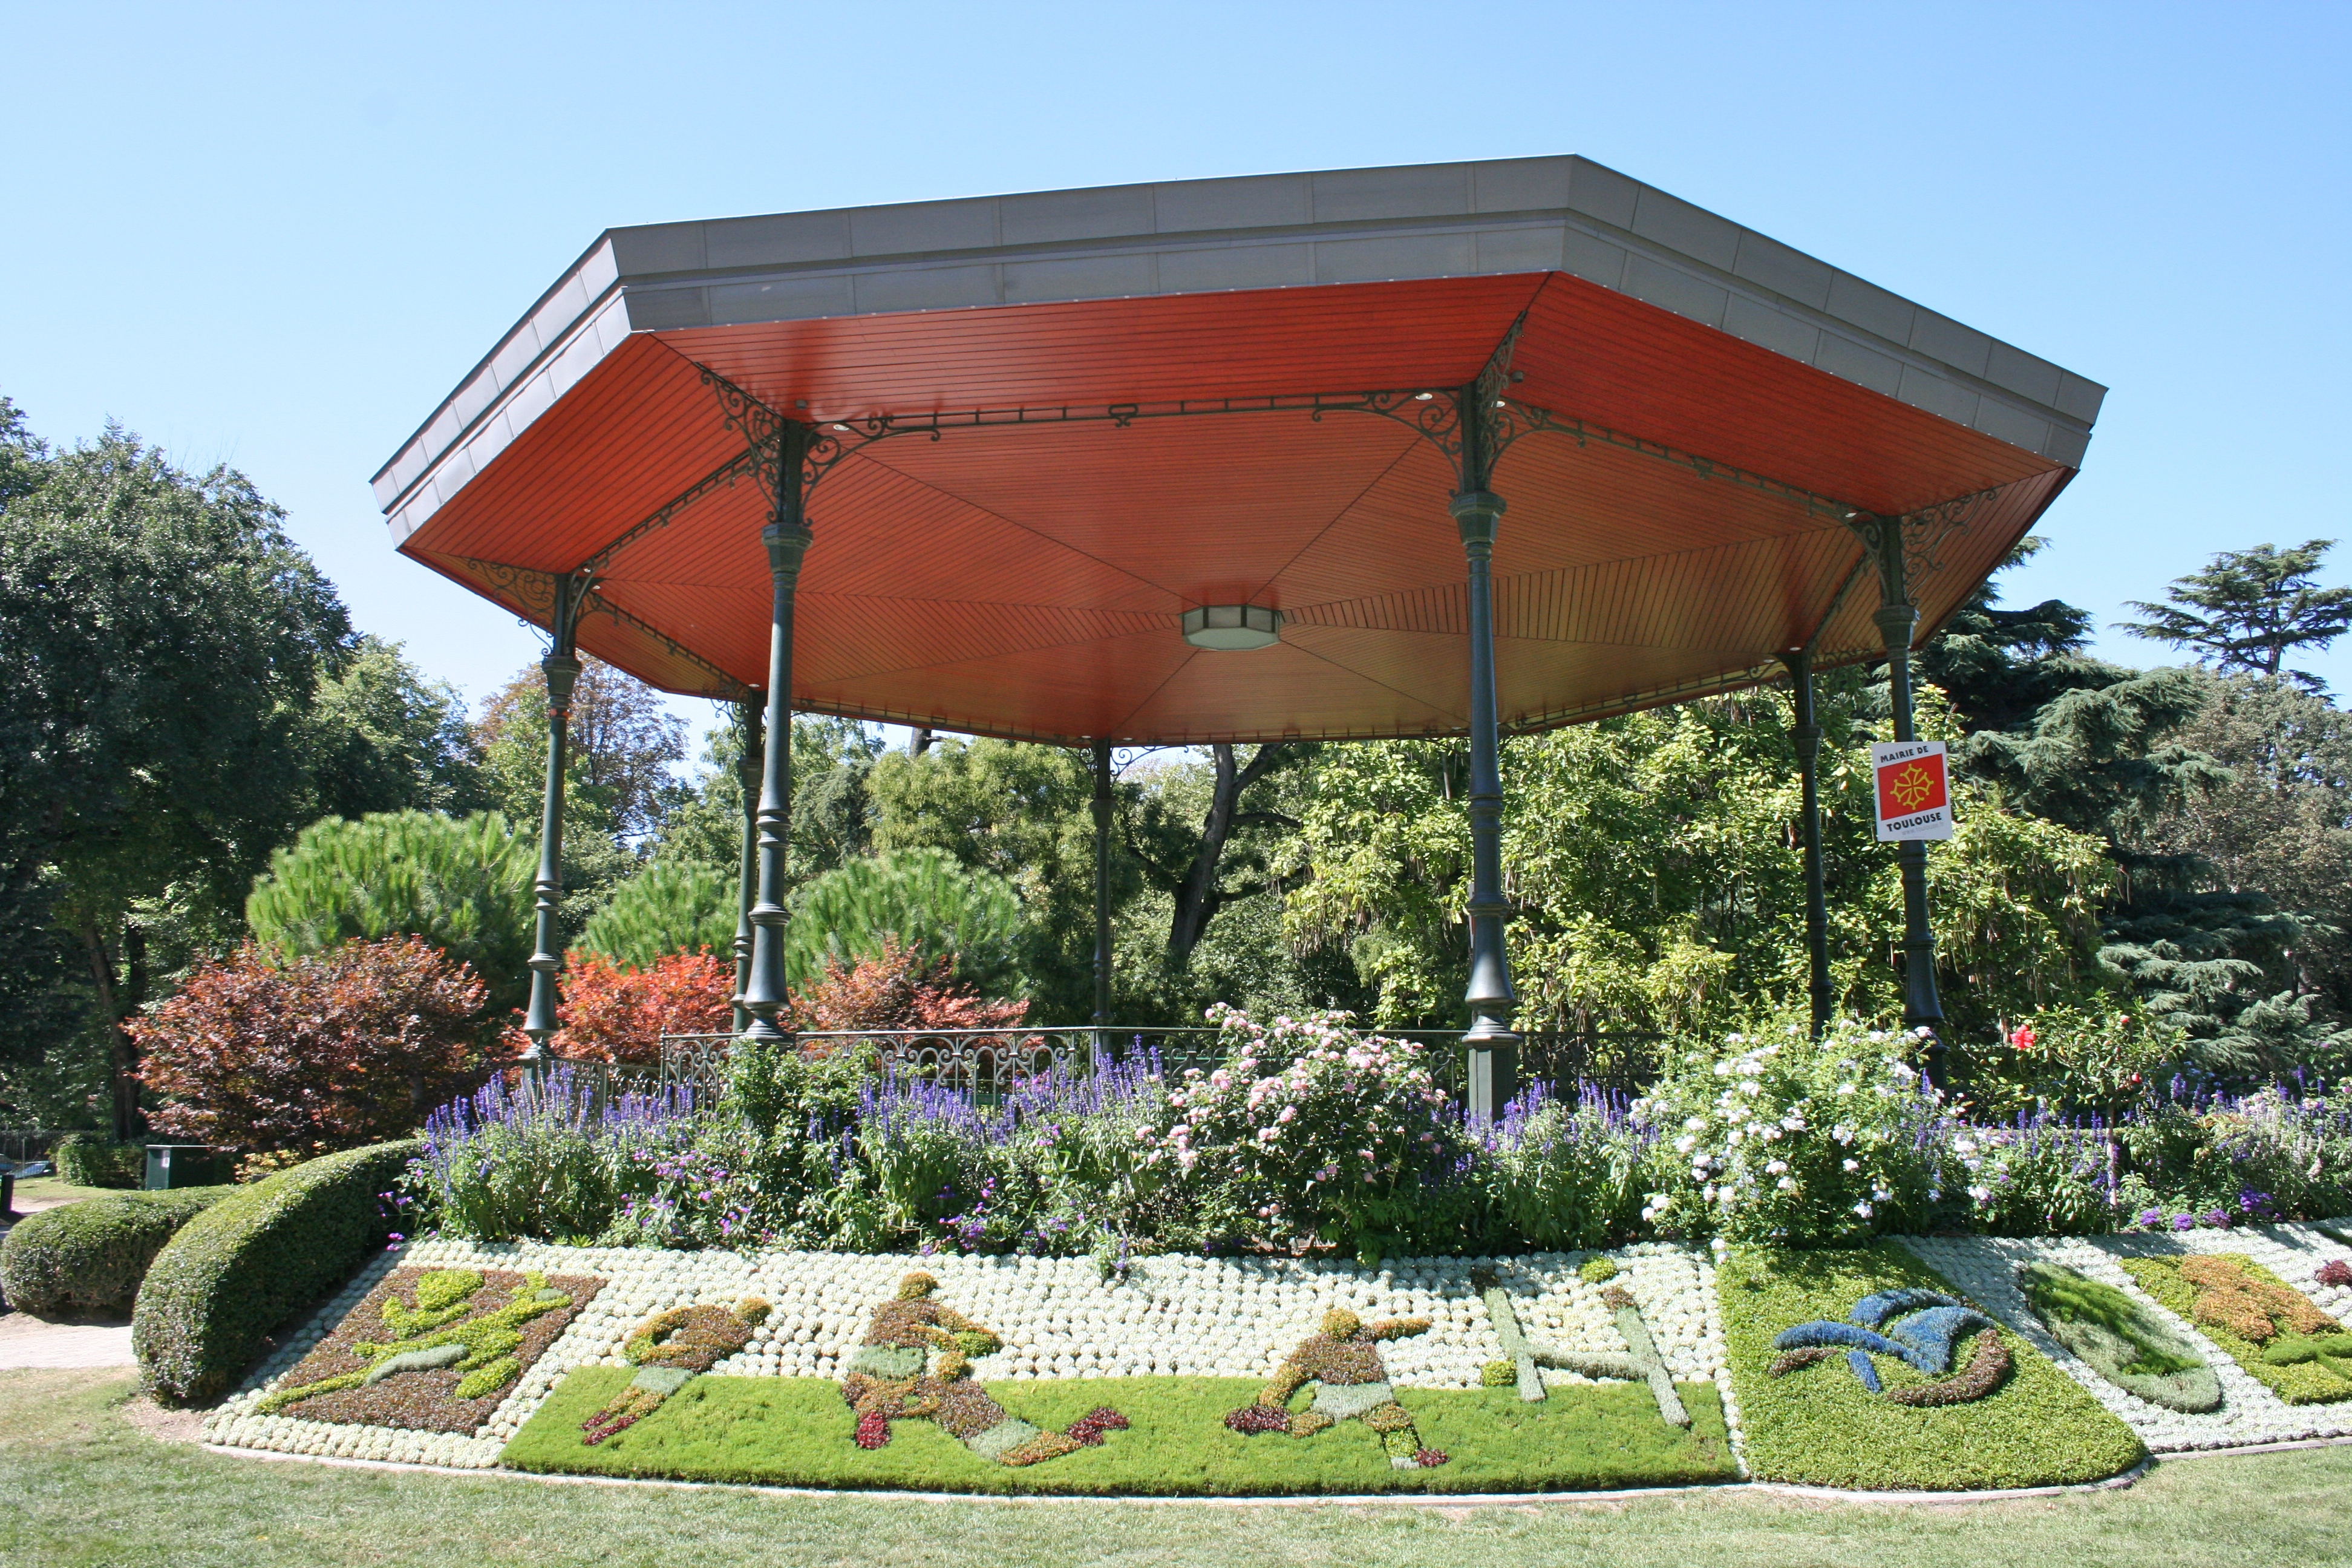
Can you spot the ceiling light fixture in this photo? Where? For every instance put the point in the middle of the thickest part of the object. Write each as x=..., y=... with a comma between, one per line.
x=1227, y=628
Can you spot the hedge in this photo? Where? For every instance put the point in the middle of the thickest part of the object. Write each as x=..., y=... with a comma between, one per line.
x=86, y=1258
x=94, y=1160
x=242, y=1268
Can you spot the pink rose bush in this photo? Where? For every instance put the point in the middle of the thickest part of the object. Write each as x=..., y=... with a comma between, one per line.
x=1313, y=1127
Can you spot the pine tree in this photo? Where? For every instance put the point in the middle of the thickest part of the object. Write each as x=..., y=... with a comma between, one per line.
x=2249, y=608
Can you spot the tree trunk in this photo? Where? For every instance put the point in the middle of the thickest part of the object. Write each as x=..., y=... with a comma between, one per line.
x=117, y=999
x=1197, y=897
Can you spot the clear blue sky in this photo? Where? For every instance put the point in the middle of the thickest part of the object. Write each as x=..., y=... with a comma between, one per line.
x=277, y=235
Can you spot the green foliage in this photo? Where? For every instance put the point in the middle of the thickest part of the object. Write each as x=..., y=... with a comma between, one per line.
x=86, y=1258
x=463, y=885
x=935, y=907
x=239, y=1270
x=384, y=737
x=1023, y=815
x=1657, y=882
x=797, y=1432
x=832, y=816
x=1561, y=1178
x=670, y=906
x=160, y=643
x=94, y=1160
x=1818, y=1426
x=2249, y=608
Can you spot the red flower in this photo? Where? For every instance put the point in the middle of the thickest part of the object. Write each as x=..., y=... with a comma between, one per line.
x=2022, y=1038
x=873, y=1429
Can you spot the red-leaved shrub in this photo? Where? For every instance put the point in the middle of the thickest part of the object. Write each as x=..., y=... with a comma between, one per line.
x=898, y=990
x=311, y=1055
x=611, y=1013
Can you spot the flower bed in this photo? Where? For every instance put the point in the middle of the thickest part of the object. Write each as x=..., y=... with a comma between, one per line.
x=1821, y=1424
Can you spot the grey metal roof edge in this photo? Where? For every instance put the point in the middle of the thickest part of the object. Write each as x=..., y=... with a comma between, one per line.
x=1562, y=213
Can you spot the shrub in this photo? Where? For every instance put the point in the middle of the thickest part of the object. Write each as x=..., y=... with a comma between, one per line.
x=1558, y=1176
x=313, y=1054
x=462, y=884
x=542, y=1159
x=670, y=907
x=94, y=1160
x=238, y=1271
x=1805, y=1143
x=86, y=1258
x=897, y=988
x=2039, y=1177
x=1320, y=1129
x=932, y=906
x=612, y=1013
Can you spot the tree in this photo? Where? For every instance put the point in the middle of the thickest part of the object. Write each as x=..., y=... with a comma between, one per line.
x=620, y=742
x=160, y=643
x=384, y=737
x=832, y=818
x=922, y=901
x=1023, y=814
x=462, y=885
x=1189, y=864
x=2249, y=609
x=619, y=1012
x=668, y=907
x=349, y=1046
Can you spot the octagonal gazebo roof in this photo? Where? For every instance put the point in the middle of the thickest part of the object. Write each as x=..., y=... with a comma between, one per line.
x=1057, y=421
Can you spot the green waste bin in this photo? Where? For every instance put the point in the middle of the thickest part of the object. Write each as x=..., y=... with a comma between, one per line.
x=186, y=1165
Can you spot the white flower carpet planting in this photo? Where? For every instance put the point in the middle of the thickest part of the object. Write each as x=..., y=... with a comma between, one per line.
x=1985, y=1268
x=1171, y=1316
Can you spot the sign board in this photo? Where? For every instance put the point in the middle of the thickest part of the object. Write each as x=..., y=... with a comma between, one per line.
x=1915, y=795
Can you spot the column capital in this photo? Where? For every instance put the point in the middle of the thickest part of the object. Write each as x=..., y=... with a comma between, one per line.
x=1476, y=513
x=563, y=672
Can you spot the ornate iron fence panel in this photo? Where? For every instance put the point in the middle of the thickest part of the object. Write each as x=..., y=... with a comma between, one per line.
x=988, y=1062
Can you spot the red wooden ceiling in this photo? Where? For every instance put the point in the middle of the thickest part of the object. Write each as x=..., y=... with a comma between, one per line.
x=1028, y=581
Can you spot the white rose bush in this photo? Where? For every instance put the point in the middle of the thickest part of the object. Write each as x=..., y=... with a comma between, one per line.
x=1784, y=1138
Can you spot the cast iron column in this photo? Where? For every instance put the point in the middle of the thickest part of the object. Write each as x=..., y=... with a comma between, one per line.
x=747, y=776
x=1808, y=736
x=562, y=671
x=787, y=539
x=1102, y=893
x=1897, y=620
x=1490, y=1046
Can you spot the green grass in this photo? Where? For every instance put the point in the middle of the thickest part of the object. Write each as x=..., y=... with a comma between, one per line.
x=1820, y=1426
x=80, y=1487
x=796, y=1431
x=2301, y=1382
x=53, y=1190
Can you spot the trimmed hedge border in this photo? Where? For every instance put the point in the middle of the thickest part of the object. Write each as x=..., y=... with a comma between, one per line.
x=245, y=1266
x=86, y=1258
x=94, y=1160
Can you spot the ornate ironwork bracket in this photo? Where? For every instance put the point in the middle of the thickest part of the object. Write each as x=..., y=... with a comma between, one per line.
x=1921, y=535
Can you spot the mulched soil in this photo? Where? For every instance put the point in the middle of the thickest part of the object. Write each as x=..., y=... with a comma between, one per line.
x=424, y=1401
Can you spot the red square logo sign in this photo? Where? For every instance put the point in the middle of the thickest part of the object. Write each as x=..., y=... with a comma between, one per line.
x=1915, y=797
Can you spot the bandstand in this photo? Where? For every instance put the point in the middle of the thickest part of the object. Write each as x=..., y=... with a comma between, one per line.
x=1445, y=450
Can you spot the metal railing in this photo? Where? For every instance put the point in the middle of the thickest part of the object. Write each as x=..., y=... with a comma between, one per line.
x=988, y=1062
x=31, y=1142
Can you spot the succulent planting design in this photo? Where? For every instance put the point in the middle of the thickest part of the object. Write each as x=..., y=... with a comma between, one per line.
x=1923, y=1329
x=1641, y=1364
x=1350, y=1381
x=668, y=1350
x=432, y=1349
x=2118, y=1338
x=894, y=1376
x=2268, y=1327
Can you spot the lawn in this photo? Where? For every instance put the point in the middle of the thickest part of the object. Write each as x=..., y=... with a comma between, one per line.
x=81, y=1488
x=796, y=1431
